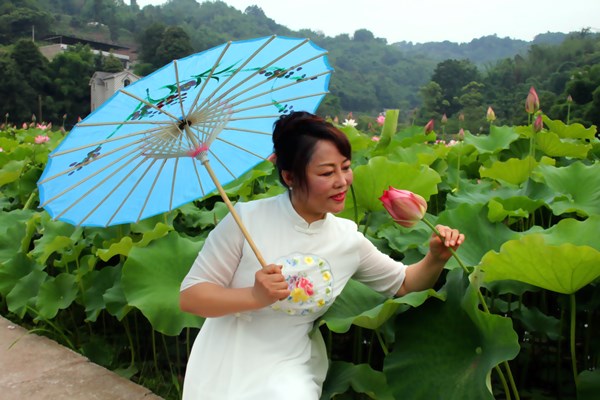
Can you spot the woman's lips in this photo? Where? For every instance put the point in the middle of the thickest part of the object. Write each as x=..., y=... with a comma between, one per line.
x=339, y=196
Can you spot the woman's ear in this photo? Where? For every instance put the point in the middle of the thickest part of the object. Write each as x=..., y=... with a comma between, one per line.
x=287, y=178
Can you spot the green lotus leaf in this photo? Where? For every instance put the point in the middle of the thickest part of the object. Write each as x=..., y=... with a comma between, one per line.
x=56, y=293
x=152, y=277
x=58, y=237
x=361, y=306
x=411, y=135
x=512, y=171
x=121, y=247
x=96, y=283
x=565, y=268
x=242, y=186
x=15, y=269
x=552, y=146
x=379, y=174
x=115, y=300
x=580, y=233
x=588, y=385
x=481, y=235
x=419, y=153
x=571, y=131
x=446, y=350
x=11, y=171
x=388, y=130
x=126, y=243
x=499, y=138
x=194, y=217
x=13, y=233
x=518, y=206
x=577, y=187
x=361, y=378
x=536, y=321
x=24, y=293
x=358, y=140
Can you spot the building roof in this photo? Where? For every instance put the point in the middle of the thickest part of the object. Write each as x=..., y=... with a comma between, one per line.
x=71, y=40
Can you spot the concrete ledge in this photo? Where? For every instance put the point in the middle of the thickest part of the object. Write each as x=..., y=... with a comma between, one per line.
x=35, y=367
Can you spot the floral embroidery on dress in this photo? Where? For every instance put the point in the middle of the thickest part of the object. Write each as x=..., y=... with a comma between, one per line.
x=310, y=283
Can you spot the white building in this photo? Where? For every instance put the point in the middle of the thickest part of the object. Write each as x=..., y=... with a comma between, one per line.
x=104, y=84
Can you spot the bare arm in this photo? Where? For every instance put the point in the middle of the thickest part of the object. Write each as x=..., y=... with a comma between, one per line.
x=423, y=274
x=211, y=300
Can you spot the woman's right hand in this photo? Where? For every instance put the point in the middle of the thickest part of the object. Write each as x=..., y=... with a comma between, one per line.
x=270, y=285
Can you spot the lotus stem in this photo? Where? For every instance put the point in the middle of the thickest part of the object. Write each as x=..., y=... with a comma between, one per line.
x=572, y=333
x=30, y=200
x=486, y=309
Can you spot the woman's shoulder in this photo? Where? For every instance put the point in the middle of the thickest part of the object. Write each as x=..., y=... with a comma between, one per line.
x=265, y=203
x=343, y=223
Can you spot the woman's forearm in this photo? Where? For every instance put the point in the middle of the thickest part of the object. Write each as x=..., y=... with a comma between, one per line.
x=422, y=275
x=211, y=300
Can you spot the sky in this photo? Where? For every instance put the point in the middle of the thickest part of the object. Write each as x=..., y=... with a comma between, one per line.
x=420, y=21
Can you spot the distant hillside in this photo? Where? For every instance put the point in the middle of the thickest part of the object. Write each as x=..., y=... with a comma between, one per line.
x=483, y=50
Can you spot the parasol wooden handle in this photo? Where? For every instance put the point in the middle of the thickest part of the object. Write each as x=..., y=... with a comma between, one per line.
x=234, y=214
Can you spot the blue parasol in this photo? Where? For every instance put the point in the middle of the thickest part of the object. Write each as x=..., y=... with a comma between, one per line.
x=181, y=132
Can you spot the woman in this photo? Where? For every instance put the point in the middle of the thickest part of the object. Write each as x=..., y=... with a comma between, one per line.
x=256, y=342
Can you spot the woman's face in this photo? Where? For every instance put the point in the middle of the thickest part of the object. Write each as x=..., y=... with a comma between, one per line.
x=328, y=176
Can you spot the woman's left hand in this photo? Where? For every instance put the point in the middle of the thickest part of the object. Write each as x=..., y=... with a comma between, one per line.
x=452, y=239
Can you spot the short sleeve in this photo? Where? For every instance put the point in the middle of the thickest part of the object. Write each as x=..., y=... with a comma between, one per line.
x=378, y=270
x=220, y=256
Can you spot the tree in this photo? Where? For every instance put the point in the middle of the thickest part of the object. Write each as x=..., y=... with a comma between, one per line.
x=71, y=72
x=149, y=41
x=431, y=95
x=17, y=98
x=174, y=44
x=452, y=76
x=111, y=64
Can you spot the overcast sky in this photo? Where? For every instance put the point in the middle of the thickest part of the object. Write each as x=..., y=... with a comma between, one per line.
x=421, y=21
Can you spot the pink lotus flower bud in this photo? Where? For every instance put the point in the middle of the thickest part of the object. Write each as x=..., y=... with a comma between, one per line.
x=375, y=138
x=538, y=124
x=405, y=207
x=461, y=134
x=444, y=119
x=461, y=117
x=25, y=125
x=429, y=126
x=569, y=99
x=532, y=104
x=381, y=120
x=490, y=116
x=39, y=139
x=272, y=158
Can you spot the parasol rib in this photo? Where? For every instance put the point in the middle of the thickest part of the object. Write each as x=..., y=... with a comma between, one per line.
x=96, y=144
x=270, y=90
x=151, y=190
x=75, y=167
x=93, y=210
x=141, y=178
x=212, y=71
x=234, y=87
x=240, y=148
x=96, y=186
x=173, y=184
x=250, y=58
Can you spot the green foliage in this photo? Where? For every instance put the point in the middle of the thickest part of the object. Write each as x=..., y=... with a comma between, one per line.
x=525, y=200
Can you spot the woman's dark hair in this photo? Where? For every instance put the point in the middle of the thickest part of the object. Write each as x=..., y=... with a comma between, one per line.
x=294, y=138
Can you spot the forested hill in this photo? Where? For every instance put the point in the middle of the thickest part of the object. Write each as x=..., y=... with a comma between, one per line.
x=480, y=51
x=370, y=73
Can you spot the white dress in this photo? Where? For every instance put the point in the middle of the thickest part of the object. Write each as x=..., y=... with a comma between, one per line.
x=268, y=353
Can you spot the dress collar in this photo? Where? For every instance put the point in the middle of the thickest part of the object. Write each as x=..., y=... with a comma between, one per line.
x=297, y=221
